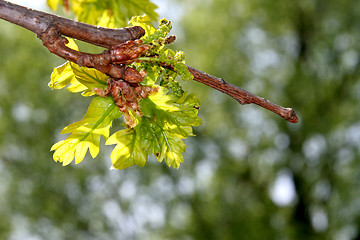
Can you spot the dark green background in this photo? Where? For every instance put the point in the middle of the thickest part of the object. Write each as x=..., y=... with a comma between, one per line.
x=303, y=54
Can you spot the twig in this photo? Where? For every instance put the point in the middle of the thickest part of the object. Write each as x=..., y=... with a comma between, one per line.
x=241, y=95
x=49, y=29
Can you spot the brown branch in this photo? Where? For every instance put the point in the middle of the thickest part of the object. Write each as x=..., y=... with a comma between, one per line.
x=111, y=62
x=241, y=95
x=50, y=28
x=38, y=22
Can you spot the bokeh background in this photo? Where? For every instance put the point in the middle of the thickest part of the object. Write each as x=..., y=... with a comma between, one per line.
x=248, y=174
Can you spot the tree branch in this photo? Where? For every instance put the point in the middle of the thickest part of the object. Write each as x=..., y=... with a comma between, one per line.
x=38, y=22
x=49, y=29
x=111, y=62
x=241, y=95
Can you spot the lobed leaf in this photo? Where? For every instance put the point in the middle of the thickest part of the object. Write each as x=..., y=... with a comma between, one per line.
x=62, y=76
x=162, y=143
x=89, y=77
x=152, y=35
x=128, y=150
x=78, y=79
x=171, y=110
x=172, y=151
x=174, y=117
x=85, y=134
x=166, y=120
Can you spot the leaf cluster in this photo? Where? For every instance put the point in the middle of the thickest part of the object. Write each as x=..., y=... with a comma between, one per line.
x=166, y=120
x=169, y=63
x=166, y=116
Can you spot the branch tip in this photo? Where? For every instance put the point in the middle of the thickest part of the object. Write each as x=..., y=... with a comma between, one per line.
x=292, y=116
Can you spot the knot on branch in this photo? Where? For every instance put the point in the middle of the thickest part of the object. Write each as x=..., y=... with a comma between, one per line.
x=52, y=39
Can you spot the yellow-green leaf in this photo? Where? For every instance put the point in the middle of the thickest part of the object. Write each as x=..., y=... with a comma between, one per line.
x=86, y=133
x=76, y=146
x=78, y=79
x=61, y=76
x=72, y=44
x=128, y=150
x=53, y=4
x=110, y=13
x=89, y=77
x=174, y=149
x=143, y=21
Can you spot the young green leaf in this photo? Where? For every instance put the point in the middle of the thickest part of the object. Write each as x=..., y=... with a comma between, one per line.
x=152, y=35
x=143, y=21
x=86, y=133
x=174, y=118
x=112, y=13
x=158, y=54
x=172, y=150
x=78, y=79
x=158, y=140
x=63, y=76
x=128, y=150
x=166, y=120
x=89, y=77
x=170, y=109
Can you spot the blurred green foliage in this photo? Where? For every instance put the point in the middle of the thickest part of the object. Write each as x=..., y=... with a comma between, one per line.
x=247, y=174
x=302, y=54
